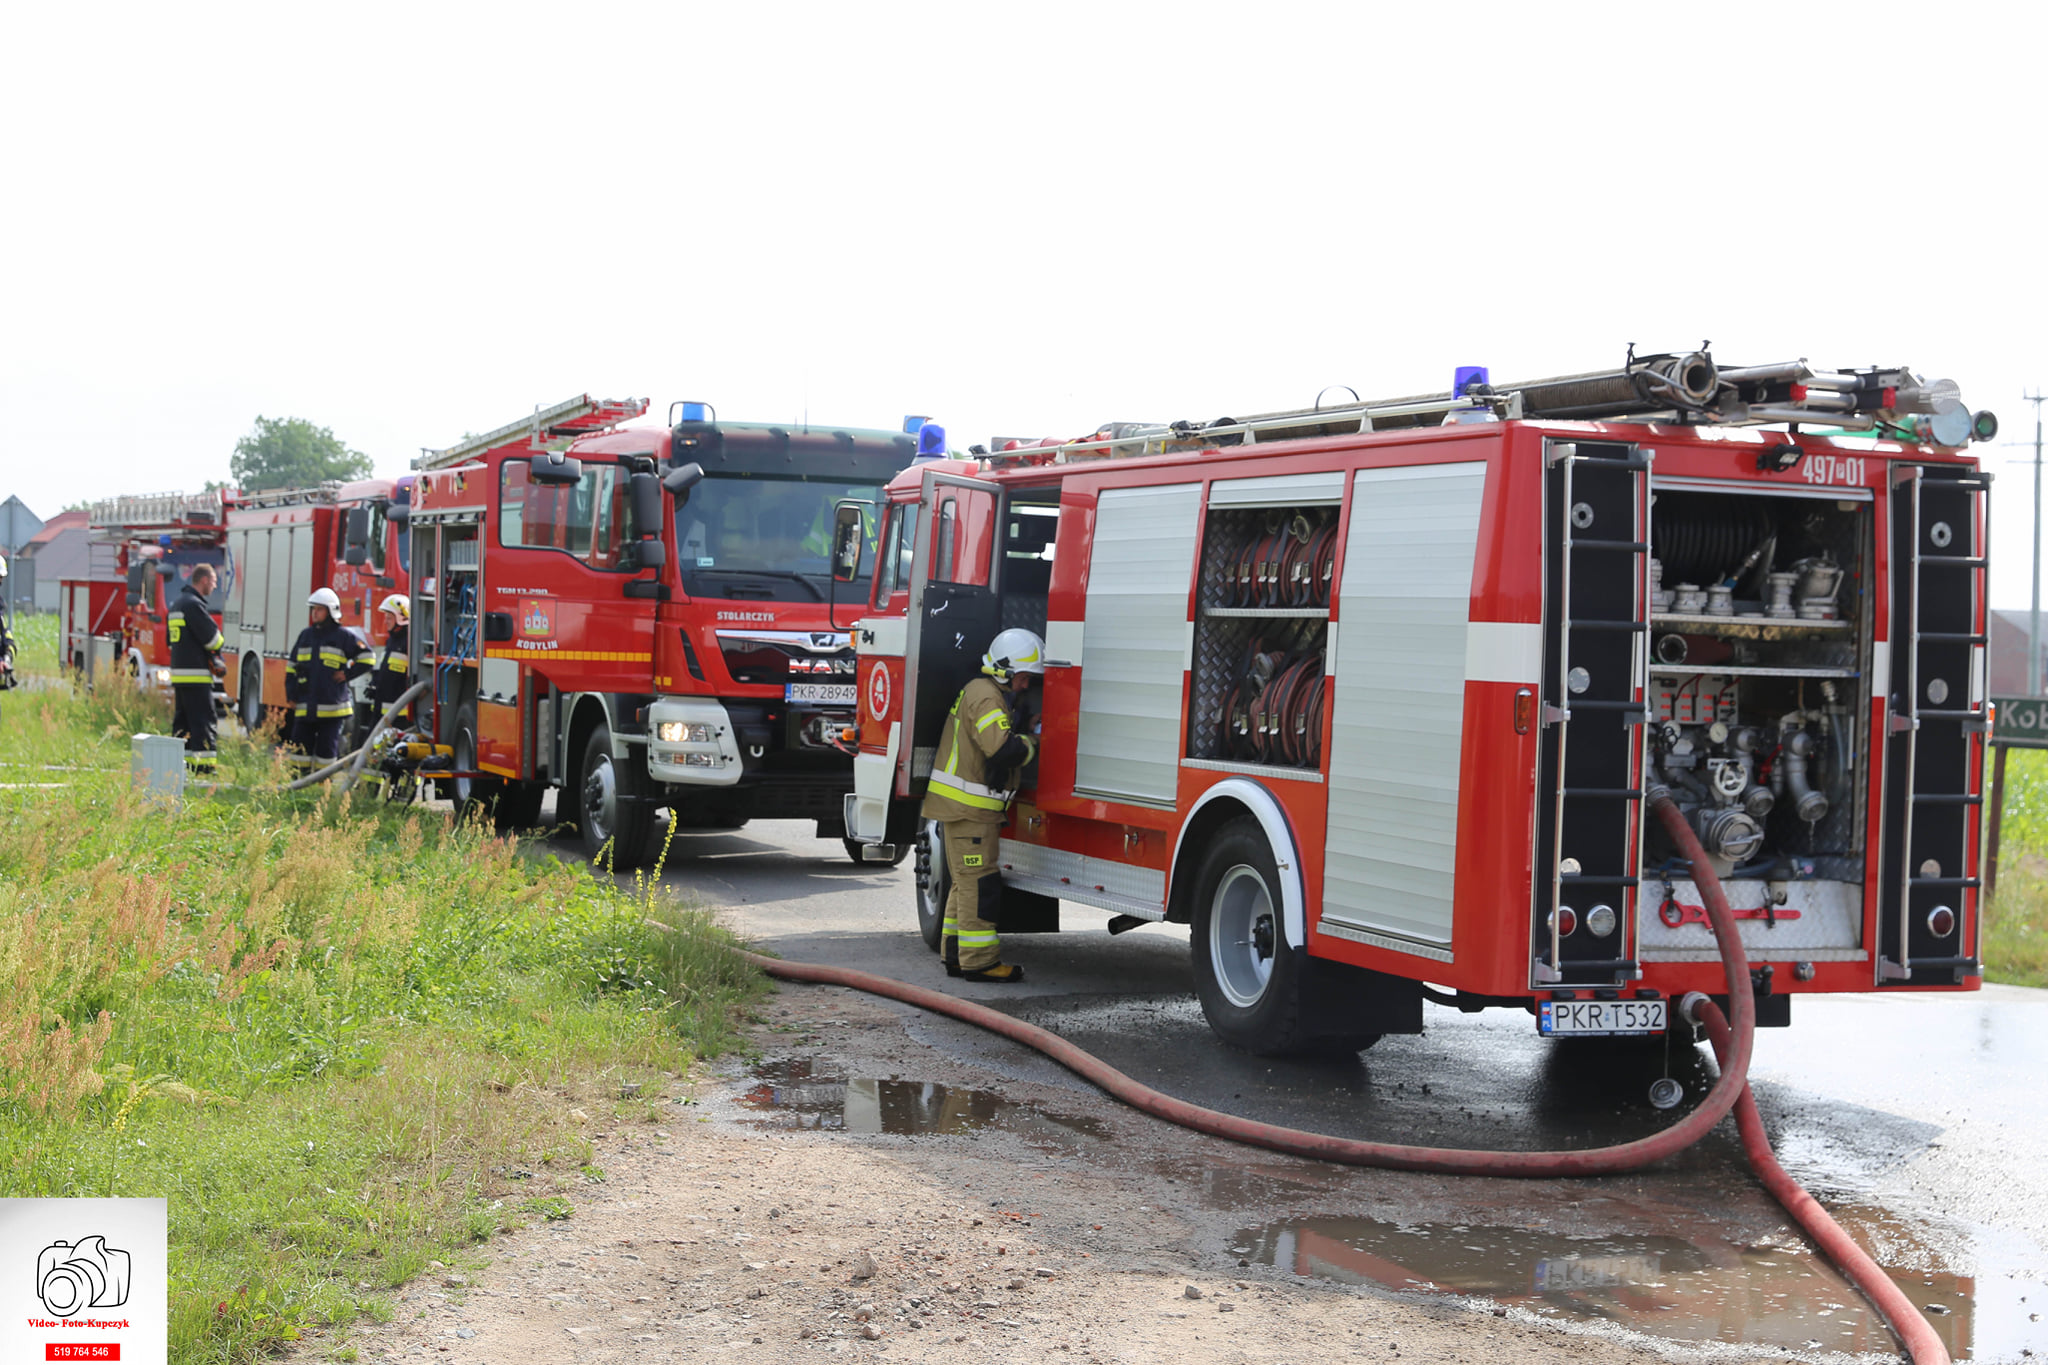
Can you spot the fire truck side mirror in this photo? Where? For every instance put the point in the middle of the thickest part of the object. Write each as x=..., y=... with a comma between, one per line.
x=135, y=584
x=846, y=547
x=646, y=506
x=680, y=480
x=555, y=469
x=356, y=537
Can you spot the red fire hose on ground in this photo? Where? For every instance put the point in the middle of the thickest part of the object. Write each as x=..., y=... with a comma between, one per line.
x=1731, y=1041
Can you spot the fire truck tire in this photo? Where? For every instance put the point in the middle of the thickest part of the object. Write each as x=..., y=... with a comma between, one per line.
x=611, y=807
x=465, y=792
x=1246, y=975
x=249, y=705
x=934, y=884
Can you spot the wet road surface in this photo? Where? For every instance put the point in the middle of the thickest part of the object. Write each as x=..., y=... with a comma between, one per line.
x=1918, y=1121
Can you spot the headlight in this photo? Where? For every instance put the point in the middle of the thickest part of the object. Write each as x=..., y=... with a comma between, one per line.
x=679, y=732
x=163, y=675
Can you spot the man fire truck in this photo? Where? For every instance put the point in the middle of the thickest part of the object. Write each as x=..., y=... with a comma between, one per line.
x=156, y=540
x=289, y=544
x=642, y=618
x=1379, y=696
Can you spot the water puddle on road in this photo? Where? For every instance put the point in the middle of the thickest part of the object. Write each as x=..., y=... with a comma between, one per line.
x=797, y=1098
x=1705, y=1290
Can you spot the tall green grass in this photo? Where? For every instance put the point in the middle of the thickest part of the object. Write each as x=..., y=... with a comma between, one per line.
x=2015, y=925
x=341, y=1037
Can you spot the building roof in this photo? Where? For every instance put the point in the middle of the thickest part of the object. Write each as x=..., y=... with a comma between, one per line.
x=52, y=528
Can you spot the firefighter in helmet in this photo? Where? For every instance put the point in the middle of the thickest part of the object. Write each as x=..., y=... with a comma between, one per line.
x=326, y=656
x=389, y=679
x=196, y=643
x=974, y=774
x=7, y=678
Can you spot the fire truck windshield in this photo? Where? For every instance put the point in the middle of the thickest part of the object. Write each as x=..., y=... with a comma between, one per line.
x=767, y=537
x=176, y=567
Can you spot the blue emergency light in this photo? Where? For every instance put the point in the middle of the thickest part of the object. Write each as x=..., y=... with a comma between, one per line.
x=913, y=425
x=931, y=442
x=696, y=412
x=1466, y=377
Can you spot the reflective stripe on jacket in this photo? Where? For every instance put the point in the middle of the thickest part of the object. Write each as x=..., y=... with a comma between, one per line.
x=195, y=638
x=389, y=681
x=323, y=660
x=978, y=726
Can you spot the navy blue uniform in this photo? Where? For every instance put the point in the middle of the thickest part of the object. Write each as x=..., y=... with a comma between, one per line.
x=323, y=660
x=196, y=641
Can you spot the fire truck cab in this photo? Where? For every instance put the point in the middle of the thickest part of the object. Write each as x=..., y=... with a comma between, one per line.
x=154, y=541
x=641, y=617
x=1373, y=698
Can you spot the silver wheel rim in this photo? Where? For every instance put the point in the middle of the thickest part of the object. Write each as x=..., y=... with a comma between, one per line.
x=934, y=906
x=1242, y=931
x=465, y=762
x=600, y=797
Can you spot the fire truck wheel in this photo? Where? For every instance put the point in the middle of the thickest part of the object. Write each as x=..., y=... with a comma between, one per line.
x=1246, y=975
x=934, y=884
x=465, y=792
x=249, y=705
x=612, y=808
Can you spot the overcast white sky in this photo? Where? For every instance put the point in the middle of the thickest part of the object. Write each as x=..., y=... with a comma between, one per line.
x=410, y=221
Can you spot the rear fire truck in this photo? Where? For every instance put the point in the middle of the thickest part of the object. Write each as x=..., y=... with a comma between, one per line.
x=1375, y=699
x=154, y=541
x=641, y=618
x=288, y=542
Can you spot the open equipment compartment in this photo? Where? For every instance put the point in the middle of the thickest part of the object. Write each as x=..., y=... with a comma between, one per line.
x=1760, y=702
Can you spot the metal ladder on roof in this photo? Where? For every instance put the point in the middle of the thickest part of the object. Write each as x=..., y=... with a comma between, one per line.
x=1594, y=695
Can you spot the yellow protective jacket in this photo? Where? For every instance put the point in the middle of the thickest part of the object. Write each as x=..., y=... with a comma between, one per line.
x=975, y=768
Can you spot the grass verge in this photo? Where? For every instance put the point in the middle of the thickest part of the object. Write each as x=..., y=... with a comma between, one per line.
x=343, y=1038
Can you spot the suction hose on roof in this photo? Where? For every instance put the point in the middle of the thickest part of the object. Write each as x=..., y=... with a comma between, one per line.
x=1731, y=1043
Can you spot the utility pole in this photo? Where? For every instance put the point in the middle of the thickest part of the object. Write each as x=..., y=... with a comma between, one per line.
x=2034, y=611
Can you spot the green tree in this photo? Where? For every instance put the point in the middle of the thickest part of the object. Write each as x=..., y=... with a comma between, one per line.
x=290, y=452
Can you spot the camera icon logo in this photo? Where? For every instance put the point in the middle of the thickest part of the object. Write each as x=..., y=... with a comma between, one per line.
x=71, y=1277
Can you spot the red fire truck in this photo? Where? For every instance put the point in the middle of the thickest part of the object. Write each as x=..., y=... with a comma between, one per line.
x=1372, y=698
x=154, y=541
x=641, y=617
x=286, y=543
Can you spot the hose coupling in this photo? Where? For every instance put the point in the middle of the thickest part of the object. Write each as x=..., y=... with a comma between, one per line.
x=1689, y=1006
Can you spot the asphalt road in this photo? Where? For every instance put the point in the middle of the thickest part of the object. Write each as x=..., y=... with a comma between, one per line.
x=1919, y=1121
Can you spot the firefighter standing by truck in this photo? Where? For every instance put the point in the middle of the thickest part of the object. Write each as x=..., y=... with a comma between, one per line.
x=325, y=657
x=389, y=679
x=196, y=641
x=974, y=775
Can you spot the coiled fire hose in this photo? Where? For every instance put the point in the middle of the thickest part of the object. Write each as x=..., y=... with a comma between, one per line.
x=1731, y=1039
x=354, y=759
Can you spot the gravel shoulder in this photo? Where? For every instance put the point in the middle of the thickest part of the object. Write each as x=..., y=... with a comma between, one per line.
x=1065, y=1227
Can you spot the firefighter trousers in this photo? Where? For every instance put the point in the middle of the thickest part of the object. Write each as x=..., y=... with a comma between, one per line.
x=977, y=892
x=192, y=721
x=319, y=736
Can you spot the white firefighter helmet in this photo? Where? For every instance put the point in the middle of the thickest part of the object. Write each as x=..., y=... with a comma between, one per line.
x=324, y=597
x=3, y=566
x=398, y=604
x=1015, y=650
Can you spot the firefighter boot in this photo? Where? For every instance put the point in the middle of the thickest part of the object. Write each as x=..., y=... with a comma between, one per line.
x=1004, y=972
